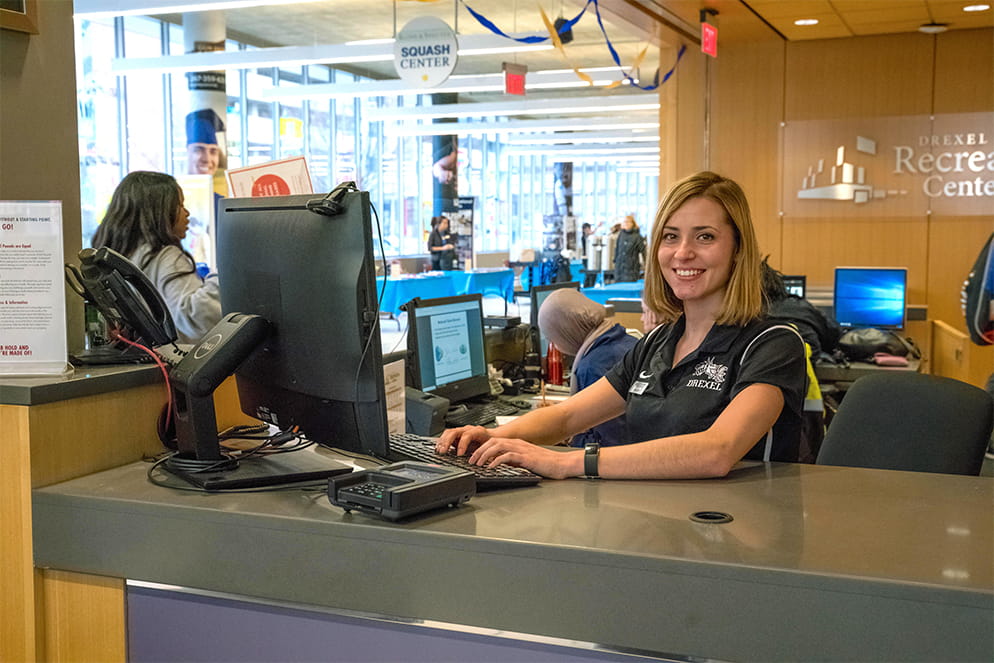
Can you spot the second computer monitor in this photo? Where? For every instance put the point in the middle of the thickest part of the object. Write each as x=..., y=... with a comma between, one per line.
x=870, y=296
x=538, y=295
x=795, y=284
x=446, y=347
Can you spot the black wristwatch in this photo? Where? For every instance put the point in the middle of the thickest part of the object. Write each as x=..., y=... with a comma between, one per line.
x=591, y=452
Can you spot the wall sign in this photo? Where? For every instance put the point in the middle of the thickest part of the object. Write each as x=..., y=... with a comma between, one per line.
x=424, y=53
x=890, y=166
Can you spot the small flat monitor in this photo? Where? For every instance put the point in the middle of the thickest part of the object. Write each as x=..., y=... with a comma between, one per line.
x=538, y=295
x=870, y=296
x=446, y=347
x=309, y=271
x=795, y=284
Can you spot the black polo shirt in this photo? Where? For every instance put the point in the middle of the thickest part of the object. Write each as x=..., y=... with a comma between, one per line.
x=665, y=400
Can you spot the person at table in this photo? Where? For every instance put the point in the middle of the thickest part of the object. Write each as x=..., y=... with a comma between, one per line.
x=629, y=252
x=440, y=244
x=146, y=222
x=579, y=327
x=716, y=383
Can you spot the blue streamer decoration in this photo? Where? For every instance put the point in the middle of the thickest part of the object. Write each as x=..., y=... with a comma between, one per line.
x=567, y=26
x=489, y=25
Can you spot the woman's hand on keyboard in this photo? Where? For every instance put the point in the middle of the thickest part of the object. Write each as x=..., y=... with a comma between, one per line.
x=461, y=441
x=538, y=459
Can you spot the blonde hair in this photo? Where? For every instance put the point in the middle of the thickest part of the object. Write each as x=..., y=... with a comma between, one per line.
x=635, y=225
x=743, y=300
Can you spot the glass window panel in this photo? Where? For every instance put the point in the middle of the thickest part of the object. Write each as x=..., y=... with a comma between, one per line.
x=100, y=166
x=144, y=98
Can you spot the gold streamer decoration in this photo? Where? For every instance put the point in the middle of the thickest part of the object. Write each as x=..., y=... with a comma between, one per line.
x=558, y=43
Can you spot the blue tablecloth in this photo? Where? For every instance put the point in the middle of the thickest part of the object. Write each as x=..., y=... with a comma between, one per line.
x=498, y=282
x=402, y=289
x=628, y=290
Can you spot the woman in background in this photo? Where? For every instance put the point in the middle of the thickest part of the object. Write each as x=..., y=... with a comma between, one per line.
x=629, y=253
x=145, y=222
x=440, y=244
x=578, y=326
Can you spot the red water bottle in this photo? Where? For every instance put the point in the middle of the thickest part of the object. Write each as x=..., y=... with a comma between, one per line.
x=554, y=365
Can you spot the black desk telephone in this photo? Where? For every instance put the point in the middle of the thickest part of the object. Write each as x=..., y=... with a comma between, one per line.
x=125, y=297
x=131, y=303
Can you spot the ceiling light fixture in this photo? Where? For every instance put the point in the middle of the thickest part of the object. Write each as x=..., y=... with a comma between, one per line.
x=630, y=102
x=976, y=8
x=458, y=83
x=371, y=50
x=112, y=8
x=806, y=21
x=932, y=28
x=506, y=127
x=585, y=137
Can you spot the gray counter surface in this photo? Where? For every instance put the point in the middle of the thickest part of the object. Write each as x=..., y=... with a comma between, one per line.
x=818, y=563
x=84, y=381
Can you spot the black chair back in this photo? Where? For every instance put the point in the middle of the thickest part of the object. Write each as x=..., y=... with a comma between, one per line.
x=902, y=420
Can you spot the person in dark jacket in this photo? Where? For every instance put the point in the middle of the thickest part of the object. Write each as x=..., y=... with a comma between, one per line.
x=629, y=253
x=817, y=329
x=440, y=244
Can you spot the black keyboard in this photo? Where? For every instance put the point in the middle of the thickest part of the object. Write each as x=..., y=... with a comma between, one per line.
x=479, y=415
x=419, y=448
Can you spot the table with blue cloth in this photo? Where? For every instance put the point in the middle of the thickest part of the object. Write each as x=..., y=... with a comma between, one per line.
x=401, y=289
x=626, y=290
x=498, y=282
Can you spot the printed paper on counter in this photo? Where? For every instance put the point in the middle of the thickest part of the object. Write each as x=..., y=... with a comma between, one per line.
x=32, y=291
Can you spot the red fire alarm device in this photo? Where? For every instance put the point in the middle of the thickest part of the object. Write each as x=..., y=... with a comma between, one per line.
x=514, y=78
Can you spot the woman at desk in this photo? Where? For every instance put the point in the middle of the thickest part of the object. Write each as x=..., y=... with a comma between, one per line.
x=440, y=244
x=145, y=222
x=578, y=326
x=716, y=383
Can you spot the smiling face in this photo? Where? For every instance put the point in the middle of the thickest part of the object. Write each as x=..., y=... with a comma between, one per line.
x=697, y=253
x=204, y=158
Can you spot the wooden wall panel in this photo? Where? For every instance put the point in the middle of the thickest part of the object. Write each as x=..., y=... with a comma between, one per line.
x=687, y=150
x=859, y=77
x=964, y=80
x=17, y=607
x=745, y=137
x=84, y=618
x=817, y=246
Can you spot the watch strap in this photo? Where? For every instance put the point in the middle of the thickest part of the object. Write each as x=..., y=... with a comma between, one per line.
x=591, y=454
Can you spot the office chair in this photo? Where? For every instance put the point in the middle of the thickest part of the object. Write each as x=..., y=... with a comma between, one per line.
x=908, y=421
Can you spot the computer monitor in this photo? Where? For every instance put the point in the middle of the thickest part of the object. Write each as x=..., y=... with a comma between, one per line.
x=870, y=296
x=795, y=284
x=538, y=295
x=308, y=269
x=446, y=347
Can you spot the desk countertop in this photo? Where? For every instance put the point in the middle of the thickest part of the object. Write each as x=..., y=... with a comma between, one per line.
x=819, y=562
x=85, y=381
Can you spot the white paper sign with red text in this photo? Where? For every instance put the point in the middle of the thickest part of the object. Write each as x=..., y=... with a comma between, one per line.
x=32, y=290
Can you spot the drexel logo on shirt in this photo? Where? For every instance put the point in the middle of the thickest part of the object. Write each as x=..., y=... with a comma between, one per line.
x=709, y=375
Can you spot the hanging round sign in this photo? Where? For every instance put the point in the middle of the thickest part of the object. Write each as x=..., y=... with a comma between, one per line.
x=424, y=52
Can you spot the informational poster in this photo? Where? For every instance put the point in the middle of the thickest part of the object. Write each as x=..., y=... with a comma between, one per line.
x=32, y=291
x=461, y=226
x=198, y=198
x=452, y=358
x=273, y=178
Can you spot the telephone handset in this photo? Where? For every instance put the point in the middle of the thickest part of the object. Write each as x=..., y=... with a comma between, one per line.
x=124, y=295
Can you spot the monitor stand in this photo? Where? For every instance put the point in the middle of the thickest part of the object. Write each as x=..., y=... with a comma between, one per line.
x=302, y=466
x=199, y=459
